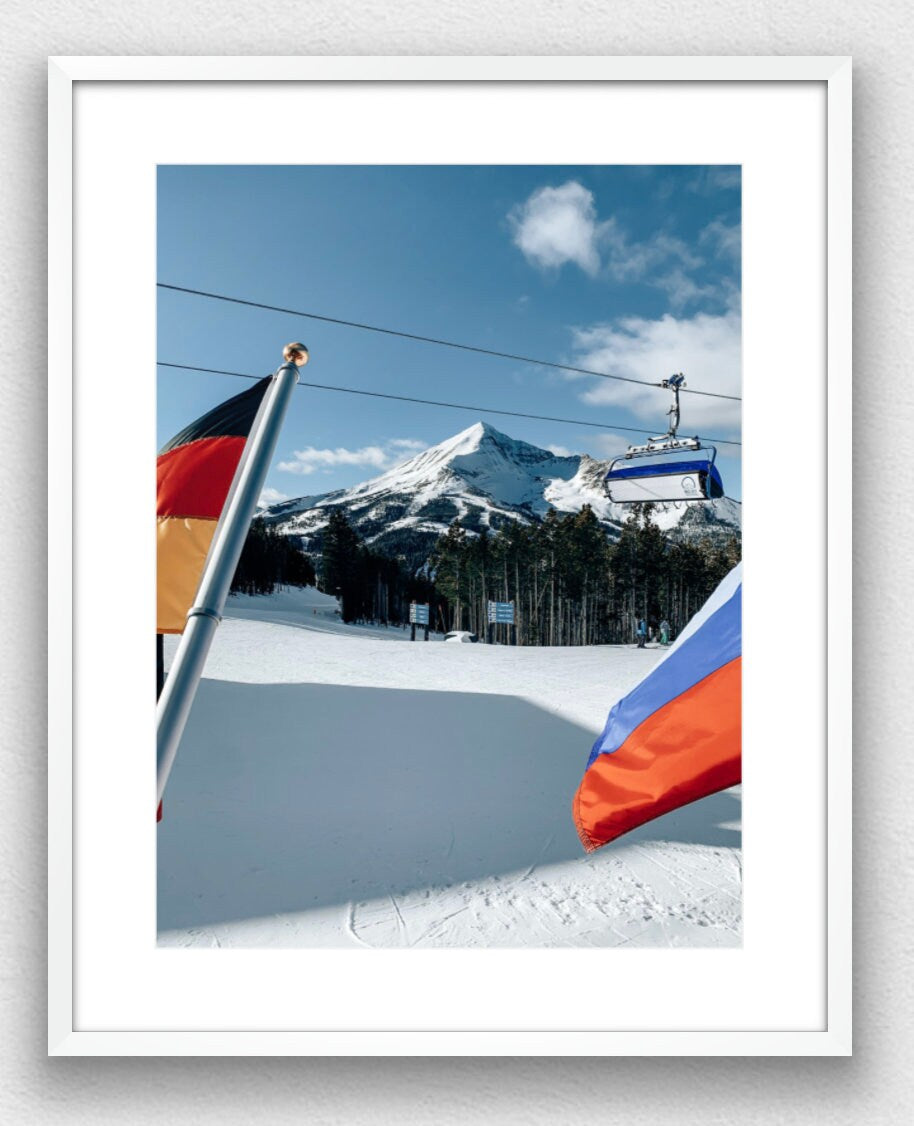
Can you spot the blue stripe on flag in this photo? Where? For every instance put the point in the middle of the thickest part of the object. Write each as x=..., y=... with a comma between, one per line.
x=714, y=645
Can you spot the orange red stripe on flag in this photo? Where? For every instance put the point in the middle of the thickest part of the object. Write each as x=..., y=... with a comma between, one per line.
x=686, y=750
x=194, y=480
x=676, y=736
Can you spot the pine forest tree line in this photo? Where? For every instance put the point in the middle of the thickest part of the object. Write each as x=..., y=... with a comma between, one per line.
x=270, y=559
x=569, y=583
x=371, y=587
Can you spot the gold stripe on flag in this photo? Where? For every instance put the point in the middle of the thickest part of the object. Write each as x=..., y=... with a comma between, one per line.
x=182, y=543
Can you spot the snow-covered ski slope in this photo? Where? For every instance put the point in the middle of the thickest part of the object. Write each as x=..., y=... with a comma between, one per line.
x=336, y=789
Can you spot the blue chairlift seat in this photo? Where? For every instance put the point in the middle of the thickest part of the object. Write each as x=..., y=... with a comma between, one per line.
x=663, y=479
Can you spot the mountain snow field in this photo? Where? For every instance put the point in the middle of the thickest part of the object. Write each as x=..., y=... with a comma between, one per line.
x=339, y=785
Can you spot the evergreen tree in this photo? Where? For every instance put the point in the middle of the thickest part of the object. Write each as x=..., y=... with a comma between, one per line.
x=269, y=559
x=340, y=563
x=449, y=567
x=569, y=584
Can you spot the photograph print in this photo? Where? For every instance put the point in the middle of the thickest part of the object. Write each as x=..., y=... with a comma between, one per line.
x=449, y=572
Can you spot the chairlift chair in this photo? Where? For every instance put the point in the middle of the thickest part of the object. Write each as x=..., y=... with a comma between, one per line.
x=666, y=469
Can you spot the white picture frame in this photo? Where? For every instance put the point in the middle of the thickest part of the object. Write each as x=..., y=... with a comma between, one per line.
x=111, y=992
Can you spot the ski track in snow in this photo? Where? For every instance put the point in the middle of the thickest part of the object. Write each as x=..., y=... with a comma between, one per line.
x=334, y=791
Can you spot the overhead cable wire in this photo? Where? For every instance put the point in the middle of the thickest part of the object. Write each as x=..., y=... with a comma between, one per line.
x=433, y=340
x=438, y=403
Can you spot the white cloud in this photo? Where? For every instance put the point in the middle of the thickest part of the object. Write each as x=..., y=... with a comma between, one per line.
x=633, y=261
x=558, y=225
x=717, y=178
x=725, y=239
x=612, y=445
x=681, y=289
x=705, y=347
x=311, y=460
x=411, y=444
x=270, y=496
x=601, y=446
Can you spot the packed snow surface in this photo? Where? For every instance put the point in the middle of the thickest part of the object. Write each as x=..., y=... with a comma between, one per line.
x=340, y=786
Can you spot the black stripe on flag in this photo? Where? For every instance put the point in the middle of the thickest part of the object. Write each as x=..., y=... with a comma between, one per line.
x=231, y=419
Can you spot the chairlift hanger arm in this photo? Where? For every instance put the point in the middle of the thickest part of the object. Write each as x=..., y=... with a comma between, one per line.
x=668, y=442
x=674, y=383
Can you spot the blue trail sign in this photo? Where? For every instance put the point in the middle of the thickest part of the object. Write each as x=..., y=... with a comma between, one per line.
x=418, y=613
x=501, y=613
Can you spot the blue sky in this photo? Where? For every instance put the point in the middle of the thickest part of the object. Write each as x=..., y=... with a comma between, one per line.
x=632, y=270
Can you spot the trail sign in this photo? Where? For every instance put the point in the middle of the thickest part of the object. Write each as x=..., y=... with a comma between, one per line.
x=418, y=613
x=501, y=613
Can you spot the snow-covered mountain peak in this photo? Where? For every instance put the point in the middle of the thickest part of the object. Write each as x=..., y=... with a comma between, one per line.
x=480, y=458
x=471, y=438
x=481, y=436
x=464, y=444
x=485, y=478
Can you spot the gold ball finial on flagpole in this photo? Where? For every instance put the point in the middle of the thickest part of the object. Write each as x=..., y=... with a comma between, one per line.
x=297, y=353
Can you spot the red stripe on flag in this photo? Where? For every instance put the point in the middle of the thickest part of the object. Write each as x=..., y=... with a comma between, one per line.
x=194, y=480
x=689, y=748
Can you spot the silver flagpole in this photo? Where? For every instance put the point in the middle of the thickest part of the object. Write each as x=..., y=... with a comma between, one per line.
x=228, y=540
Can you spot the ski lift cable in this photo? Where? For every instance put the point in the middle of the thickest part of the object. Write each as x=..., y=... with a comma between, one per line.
x=436, y=403
x=433, y=340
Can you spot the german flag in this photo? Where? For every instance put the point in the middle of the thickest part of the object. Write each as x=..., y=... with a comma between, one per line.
x=195, y=472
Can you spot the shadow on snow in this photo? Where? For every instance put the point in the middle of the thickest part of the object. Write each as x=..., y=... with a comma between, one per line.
x=288, y=797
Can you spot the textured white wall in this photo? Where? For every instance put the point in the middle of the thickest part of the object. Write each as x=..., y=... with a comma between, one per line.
x=874, y=1086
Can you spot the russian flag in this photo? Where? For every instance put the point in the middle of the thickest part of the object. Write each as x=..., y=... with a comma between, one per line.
x=677, y=736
